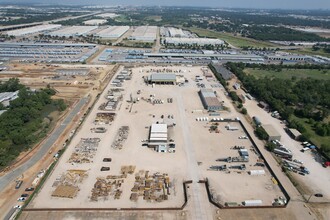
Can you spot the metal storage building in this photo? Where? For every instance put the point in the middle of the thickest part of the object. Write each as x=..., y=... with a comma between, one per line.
x=162, y=78
x=158, y=137
x=294, y=133
x=113, y=32
x=209, y=100
x=272, y=133
x=144, y=33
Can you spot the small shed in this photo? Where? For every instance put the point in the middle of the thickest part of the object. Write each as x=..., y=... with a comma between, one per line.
x=294, y=133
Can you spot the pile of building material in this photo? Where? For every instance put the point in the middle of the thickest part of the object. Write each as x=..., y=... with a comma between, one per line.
x=85, y=150
x=67, y=184
x=98, y=130
x=127, y=169
x=114, y=96
x=105, y=187
x=111, y=184
x=104, y=118
x=155, y=187
x=121, y=136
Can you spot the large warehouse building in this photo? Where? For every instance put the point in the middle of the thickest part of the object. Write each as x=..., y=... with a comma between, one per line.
x=272, y=133
x=192, y=41
x=162, y=78
x=33, y=30
x=158, y=137
x=144, y=33
x=95, y=22
x=73, y=31
x=113, y=32
x=210, y=100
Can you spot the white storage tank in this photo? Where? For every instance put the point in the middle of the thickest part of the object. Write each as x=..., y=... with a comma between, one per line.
x=256, y=172
x=252, y=203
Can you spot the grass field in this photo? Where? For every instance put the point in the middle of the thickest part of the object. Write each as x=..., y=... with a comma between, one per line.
x=316, y=139
x=122, y=18
x=236, y=41
x=289, y=73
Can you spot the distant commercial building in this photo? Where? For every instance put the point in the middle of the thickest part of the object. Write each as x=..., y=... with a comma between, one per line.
x=95, y=22
x=107, y=15
x=158, y=137
x=33, y=30
x=193, y=41
x=113, y=32
x=162, y=78
x=176, y=32
x=210, y=100
x=73, y=31
x=144, y=33
x=272, y=132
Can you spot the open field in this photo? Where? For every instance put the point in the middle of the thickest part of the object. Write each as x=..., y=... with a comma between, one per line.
x=289, y=73
x=236, y=41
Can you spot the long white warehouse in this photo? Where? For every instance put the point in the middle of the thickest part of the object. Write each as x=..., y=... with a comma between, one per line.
x=144, y=33
x=113, y=32
x=191, y=41
x=73, y=31
x=33, y=30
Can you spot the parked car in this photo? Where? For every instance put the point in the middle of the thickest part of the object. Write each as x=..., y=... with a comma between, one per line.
x=25, y=195
x=29, y=189
x=21, y=199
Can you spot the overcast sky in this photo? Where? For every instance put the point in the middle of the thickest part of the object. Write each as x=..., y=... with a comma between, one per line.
x=285, y=4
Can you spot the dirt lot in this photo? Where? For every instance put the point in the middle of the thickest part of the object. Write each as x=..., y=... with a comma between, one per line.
x=179, y=166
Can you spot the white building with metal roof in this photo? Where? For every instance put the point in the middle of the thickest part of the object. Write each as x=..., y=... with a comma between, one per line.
x=162, y=78
x=210, y=100
x=113, y=32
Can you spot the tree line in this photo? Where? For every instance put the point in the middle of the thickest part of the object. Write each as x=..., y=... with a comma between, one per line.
x=24, y=122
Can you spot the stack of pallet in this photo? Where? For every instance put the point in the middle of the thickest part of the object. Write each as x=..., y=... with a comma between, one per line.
x=154, y=187
x=67, y=184
x=128, y=169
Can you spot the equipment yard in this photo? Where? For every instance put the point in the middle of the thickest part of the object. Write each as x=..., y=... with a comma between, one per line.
x=120, y=159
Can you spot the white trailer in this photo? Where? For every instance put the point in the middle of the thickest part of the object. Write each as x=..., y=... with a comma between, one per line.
x=252, y=203
x=256, y=172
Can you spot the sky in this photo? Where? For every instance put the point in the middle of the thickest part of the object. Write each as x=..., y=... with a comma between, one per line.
x=284, y=4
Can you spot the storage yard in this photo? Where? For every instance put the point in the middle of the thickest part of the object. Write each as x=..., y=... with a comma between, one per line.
x=122, y=156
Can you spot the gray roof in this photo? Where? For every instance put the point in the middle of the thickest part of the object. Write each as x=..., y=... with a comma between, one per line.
x=226, y=74
x=208, y=93
x=162, y=77
x=271, y=131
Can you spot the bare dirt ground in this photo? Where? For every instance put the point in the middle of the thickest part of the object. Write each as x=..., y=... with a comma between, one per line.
x=100, y=74
x=193, y=144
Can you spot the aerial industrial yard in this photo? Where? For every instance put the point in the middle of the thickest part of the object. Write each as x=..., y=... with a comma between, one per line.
x=176, y=106
x=161, y=113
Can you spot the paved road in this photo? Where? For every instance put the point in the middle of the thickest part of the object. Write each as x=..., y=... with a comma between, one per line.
x=9, y=177
x=197, y=198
